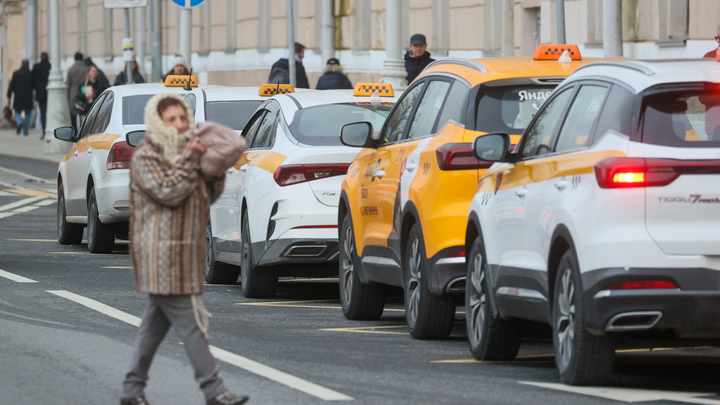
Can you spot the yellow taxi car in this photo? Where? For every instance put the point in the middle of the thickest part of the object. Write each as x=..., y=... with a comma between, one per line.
x=406, y=196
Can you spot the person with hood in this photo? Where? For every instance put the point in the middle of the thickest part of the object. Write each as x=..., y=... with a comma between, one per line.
x=75, y=77
x=280, y=71
x=169, y=206
x=333, y=77
x=417, y=58
x=179, y=67
x=101, y=75
x=39, y=78
x=137, y=77
x=21, y=85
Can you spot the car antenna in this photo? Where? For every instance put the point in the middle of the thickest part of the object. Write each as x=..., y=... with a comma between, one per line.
x=187, y=85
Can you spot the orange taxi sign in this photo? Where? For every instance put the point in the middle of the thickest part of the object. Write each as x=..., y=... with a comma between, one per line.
x=269, y=89
x=180, y=81
x=553, y=52
x=368, y=89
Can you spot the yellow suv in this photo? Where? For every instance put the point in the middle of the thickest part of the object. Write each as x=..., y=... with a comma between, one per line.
x=405, y=199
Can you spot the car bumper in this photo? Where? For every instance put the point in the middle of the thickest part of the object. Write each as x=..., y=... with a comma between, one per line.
x=298, y=251
x=690, y=311
x=448, y=275
x=113, y=196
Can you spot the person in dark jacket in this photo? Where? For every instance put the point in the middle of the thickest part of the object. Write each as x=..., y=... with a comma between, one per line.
x=39, y=78
x=101, y=75
x=417, y=57
x=712, y=53
x=137, y=77
x=279, y=73
x=21, y=85
x=333, y=77
x=89, y=91
x=75, y=77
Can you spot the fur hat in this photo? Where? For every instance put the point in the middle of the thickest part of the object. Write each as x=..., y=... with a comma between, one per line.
x=168, y=137
x=178, y=60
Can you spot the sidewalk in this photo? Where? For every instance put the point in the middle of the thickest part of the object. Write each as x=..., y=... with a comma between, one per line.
x=30, y=146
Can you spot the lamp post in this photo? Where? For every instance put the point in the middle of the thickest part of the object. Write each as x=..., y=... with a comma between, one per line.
x=58, y=113
x=394, y=67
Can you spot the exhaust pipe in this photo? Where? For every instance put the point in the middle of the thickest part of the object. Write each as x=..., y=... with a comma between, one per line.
x=633, y=321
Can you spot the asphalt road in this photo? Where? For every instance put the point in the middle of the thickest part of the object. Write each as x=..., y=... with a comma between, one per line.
x=67, y=326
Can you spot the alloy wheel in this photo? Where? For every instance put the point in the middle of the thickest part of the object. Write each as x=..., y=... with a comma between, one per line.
x=565, y=326
x=477, y=299
x=413, y=287
x=347, y=264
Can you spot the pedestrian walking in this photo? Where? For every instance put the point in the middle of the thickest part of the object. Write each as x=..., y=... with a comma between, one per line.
x=712, y=53
x=417, y=58
x=137, y=77
x=75, y=77
x=101, y=75
x=169, y=205
x=333, y=77
x=39, y=78
x=88, y=92
x=179, y=67
x=21, y=86
x=280, y=71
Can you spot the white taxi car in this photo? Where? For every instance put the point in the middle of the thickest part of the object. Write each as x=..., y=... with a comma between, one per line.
x=278, y=213
x=604, y=221
x=93, y=179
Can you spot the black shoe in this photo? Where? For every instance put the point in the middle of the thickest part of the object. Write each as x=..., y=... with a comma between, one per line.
x=227, y=398
x=134, y=401
x=18, y=129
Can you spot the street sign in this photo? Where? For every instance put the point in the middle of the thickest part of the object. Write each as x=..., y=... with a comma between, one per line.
x=125, y=3
x=187, y=3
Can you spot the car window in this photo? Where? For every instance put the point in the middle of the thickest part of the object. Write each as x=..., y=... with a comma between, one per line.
x=102, y=120
x=510, y=109
x=85, y=130
x=267, y=126
x=234, y=114
x=191, y=99
x=133, y=109
x=311, y=125
x=455, y=106
x=255, y=121
x=616, y=115
x=428, y=109
x=538, y=137
x=581, y=118
x=395, y=126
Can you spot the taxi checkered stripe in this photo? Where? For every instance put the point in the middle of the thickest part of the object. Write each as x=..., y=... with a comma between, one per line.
x=559, y=51
x=373, y=88
x=271, y=91
x=181, y=81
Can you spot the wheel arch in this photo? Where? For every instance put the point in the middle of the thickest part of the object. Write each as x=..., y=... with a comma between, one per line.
x=472, y=231
x=88, y=187
x=409, y=219
x=561, y=242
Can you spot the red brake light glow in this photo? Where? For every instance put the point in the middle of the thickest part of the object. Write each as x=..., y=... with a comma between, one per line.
x=120, y=156
x=623, y=172
x=642, y=285
x=295, y=174
x=459, y=156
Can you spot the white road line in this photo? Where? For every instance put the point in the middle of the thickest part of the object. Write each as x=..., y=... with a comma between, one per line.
x=223, y=355
x=25, y=209
x=15, y=277
x=631, y=394
x=46, y=202
x=29, y=176
x=22, y=202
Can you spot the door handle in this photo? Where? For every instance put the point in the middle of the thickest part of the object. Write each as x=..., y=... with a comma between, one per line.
x=411, y=167
x=76, y=153
x=243, y=168
x=231, y=170
x=89, y=150
x=521, y=193
x=380, y=174
x=561, y=185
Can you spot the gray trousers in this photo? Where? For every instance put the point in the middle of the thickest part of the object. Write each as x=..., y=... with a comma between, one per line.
x=163, y=311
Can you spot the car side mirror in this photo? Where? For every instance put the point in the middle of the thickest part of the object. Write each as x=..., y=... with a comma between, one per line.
x=357, y=134
x=492, y=147
x=135, y=137
x=65, y=134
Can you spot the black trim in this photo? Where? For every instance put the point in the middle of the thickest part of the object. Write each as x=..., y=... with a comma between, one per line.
x=519, y=307
x=442, y=274
x=273, y=255
x=372, y=273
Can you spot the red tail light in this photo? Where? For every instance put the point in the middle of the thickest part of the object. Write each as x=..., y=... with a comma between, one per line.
x=120, y=155
x=642, y=284
x=459, y=156
x=623, y=172
x=294, y=174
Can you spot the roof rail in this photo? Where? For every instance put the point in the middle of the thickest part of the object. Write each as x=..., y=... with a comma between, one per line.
x=458, y=61
x=627, y=65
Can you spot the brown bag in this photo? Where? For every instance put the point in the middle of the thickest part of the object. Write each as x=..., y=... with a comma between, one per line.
x=223, y=148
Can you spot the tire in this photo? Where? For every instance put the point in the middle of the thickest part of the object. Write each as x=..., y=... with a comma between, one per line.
x=428, y=316
x=359, y=301
x=256, y=283
x=217, y=272
x=489, y=338
x=68, y=234
x=101, y=237
x=581, y=358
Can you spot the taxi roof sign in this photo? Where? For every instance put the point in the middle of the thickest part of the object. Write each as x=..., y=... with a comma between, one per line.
x=180, y=81
x=368, y=89
x=270, y=89
x=553, y=52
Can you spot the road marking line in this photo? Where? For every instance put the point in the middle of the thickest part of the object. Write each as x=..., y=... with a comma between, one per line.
x=47, y=202
x=309, y=279
x=15, y=277
x=117, y=267
x=36, y=240
x=531, y=358
x=29, y=176
x=25, y=209
x=6, y=194
x=283, y=302
x=31, y=193
x=21, y=203
x=291, y=304
x=631, y=394
x=6, y=214
x=224, y=355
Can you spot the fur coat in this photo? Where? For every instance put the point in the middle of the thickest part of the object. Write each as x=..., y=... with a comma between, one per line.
x=169, y=207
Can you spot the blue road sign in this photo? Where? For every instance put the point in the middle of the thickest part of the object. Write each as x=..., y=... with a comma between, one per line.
x=188, y=3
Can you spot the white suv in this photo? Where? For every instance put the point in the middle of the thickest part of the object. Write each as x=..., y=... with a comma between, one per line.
x=605, y=220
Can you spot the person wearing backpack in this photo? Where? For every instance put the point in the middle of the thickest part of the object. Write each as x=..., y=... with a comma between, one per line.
x=280, y=71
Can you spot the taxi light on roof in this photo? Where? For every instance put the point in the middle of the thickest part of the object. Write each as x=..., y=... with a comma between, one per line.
x=368, y=89
x=180, y=81
x=270, y=89
x=553, y=52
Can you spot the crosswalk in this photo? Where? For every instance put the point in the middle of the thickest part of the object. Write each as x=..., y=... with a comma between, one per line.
x=30, y=199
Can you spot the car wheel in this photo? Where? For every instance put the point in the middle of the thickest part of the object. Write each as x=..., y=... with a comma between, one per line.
x=68, y=234
x=217, y=272
x=581, y=358
x=359, y=301
x=428, y=316
x=256, y=282
x=101, y=237
x=490, y=338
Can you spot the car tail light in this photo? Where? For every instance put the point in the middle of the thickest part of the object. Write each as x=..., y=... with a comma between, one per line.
x=623, y=172
x=642, y=284
x=459, y=156
x=120, y=155
x=294, y=174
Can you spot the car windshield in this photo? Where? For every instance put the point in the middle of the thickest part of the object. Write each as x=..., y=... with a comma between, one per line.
x=510, y=109
x=133, y=109
x=688, y=118
x=320, y=125
x=234, y=114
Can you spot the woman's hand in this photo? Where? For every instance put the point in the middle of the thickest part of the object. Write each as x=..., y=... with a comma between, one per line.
x=89, y=93
x=196, y=145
